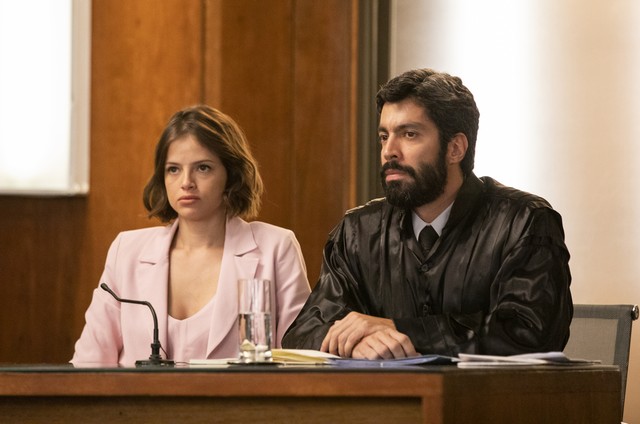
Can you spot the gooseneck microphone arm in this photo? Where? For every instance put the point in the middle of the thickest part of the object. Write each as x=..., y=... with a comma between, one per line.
x=154, y=358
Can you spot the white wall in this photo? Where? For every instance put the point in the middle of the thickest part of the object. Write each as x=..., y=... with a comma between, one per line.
x=558, y=88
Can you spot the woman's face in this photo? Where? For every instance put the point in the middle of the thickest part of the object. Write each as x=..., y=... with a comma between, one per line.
x=195, y=180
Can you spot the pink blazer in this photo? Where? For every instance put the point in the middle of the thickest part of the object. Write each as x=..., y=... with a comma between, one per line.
x=137, y=267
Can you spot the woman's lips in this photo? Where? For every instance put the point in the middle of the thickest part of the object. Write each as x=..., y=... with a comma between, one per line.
x=188, y=199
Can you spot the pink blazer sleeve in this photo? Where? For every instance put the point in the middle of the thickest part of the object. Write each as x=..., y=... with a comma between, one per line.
x=292, y=286
x=101, y=338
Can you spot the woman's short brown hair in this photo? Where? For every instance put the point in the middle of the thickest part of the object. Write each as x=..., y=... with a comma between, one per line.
x=222, y=136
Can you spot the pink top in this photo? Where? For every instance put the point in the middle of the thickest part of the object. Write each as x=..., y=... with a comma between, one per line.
x=188, y=338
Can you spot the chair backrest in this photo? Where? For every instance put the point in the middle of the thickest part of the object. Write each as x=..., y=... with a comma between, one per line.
x=603, y=332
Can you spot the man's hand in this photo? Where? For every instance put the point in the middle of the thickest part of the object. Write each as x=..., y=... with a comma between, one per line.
x=385, y=344
x=382, y=338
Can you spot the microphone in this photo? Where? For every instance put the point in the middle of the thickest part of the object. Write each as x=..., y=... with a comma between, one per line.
x=154, y=359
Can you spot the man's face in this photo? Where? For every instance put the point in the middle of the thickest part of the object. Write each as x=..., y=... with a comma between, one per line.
x=414, y=170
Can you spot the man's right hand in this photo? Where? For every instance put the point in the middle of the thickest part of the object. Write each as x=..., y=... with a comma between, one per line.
x=384, y=344
x=365, y=336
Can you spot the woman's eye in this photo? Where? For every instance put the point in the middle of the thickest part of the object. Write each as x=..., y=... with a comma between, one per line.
x=172, y=169
x=204, y=168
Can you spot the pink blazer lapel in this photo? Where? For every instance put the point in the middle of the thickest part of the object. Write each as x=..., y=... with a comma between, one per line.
x=152, y=277
x=240, y=260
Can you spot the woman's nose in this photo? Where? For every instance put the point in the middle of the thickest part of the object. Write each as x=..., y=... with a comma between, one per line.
x=187, y=181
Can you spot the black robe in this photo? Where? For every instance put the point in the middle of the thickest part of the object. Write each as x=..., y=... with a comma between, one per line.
x=496, y=281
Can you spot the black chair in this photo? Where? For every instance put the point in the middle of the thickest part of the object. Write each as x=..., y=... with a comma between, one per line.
x=603, y=332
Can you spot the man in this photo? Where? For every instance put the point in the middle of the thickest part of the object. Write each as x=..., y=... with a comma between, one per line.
x=494, y=276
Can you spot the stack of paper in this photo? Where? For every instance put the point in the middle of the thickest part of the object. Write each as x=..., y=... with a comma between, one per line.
x=301, y=356
x=547, y=358
x=279, y=357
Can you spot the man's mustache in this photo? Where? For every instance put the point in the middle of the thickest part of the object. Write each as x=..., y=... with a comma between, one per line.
x=396, y=166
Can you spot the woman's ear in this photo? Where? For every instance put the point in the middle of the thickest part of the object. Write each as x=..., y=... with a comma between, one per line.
x=457, y=148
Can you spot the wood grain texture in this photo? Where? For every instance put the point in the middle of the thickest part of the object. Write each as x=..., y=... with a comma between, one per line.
x=432, y=395
x=41, y=242
x=198, y=410
x=248, y=76
x=322, y=124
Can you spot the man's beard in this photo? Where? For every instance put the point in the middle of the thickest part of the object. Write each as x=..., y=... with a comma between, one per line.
x=428, y=184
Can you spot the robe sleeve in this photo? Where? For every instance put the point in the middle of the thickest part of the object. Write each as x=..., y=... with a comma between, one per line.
x=333, y=297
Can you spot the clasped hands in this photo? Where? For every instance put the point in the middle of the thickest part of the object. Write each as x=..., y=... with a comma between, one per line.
x=366, y=337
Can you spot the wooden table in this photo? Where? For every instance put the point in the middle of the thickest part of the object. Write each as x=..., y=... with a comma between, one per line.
x=269, y=394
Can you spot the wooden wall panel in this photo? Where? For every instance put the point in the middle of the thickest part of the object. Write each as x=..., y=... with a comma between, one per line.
x=248, y=75
x=283, y=70
x=323, y=127
x=41, y=240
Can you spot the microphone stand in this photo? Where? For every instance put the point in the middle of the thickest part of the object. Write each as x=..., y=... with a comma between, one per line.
x=155, y=359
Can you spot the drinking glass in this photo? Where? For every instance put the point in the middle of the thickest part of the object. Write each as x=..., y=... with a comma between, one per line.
x=254, y=309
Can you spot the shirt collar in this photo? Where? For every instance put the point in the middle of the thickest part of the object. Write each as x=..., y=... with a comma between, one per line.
x=437, y=224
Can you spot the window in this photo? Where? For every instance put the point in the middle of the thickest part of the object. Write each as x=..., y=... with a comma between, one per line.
x=44, y=96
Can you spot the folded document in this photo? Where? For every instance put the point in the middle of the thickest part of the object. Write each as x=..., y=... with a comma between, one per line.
x=278, y=356
x=306, y=356
x=466, y=360
x=392, y=363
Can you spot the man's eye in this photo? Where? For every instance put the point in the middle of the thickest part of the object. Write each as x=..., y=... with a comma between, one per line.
x=410, y=134
x=383, y=137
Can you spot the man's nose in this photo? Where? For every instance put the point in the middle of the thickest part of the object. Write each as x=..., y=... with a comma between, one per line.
x=390, y=149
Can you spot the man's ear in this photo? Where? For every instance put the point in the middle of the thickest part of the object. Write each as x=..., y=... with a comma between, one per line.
x=457, y=148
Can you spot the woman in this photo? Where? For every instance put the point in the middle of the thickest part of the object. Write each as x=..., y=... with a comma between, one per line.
x=205, y=182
